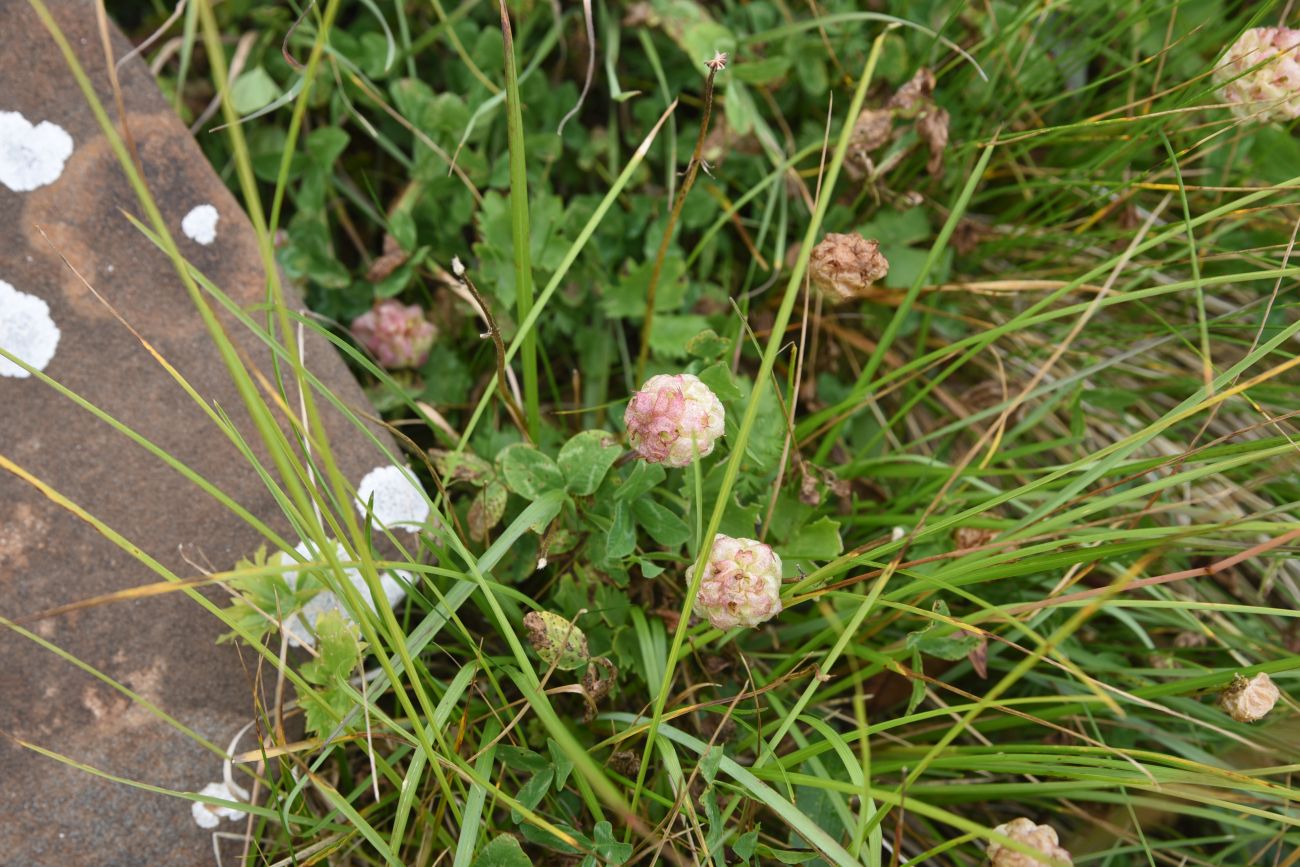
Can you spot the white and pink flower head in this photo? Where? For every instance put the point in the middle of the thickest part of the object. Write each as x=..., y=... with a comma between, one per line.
x=741, y=584
x=674, y=420
x=1260, y=74
x=396, y=334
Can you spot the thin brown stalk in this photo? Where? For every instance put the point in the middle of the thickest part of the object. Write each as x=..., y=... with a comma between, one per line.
x=458, y=269
x=716, y=65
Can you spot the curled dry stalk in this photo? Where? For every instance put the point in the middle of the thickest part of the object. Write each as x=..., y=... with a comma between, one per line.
x=716, y=65
x=516, y=415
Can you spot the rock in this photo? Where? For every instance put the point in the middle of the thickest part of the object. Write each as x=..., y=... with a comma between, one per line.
x=57, y=173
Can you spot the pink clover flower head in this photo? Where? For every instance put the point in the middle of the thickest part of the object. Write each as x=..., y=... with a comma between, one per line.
x=396, y=334
x=674, y=420
x=741, y=585
x=1260, y=74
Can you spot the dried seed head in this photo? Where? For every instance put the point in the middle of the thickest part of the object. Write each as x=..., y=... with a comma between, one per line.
x=1249, y=699
x=916, y=91
x=1260, y=74
x=741, y=585
x=843, y=266
x=932, y=126
x=674, y=420
x=557, y=641
x=396, y=334
x=1022, y=830
x=718, y=63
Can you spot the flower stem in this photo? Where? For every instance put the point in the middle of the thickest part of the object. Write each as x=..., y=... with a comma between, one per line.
x=716, y=65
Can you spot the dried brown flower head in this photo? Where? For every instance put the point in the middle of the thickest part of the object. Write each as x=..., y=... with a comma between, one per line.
x=843, y=266
x=1022, y=830
x=1249, y=699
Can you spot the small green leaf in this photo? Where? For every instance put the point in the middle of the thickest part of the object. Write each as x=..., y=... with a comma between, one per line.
x=252, y=90
x=585, y=459
x=819, y=540
x=486, y=510
x=660, y=522
x=563, y=764
x=745, y=844
x=533, y=791
x=709, y=763
x=528, y=472
x=643, y=478
x=717, y=376
x=952, y=646
x=521, y=759
x=339, y=650
x=621, y=540
x=707, y=345
x=672, y=333
x=502, y=851
x=610, y=847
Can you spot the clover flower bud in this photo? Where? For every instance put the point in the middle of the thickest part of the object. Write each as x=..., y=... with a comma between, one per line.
x=1022, y=830
x=396, y=334
x=557, y=641
x=674, y=420
x=843, y=266
x=1249, y=699
x=741, y=585
x=1260, y=74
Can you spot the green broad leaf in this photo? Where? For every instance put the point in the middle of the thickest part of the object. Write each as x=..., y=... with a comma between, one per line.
x=741, y=112
x=325, y=146
x=763, y=71
x=627, y=297
x=660, y=522
x=621, y=540
x=786, y=856
x=562, y=763
x=707, y=344
x=528, y=472
x=745, y=845
x=585, y=459
x=672, y=333
x=741, y=521
x=819, y=540
x=643, y=478
x=533, y=791
x=252, y=90
x=918, y=685
x=608, y=846
x=649, y=569
x=503, y=850
x=709, y=763
x=522, y=759
x=717, y=376
x=338, y=648
x=952, y=646
x=396, y=282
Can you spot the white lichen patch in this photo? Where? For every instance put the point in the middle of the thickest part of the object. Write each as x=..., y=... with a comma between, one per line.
x=301, y=626
x=31, y=156
x=210, y=815
x=27, y=331
x=200, y=224
x=398, y=500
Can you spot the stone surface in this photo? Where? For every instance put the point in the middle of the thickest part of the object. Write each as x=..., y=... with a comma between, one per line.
x=162, y=647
